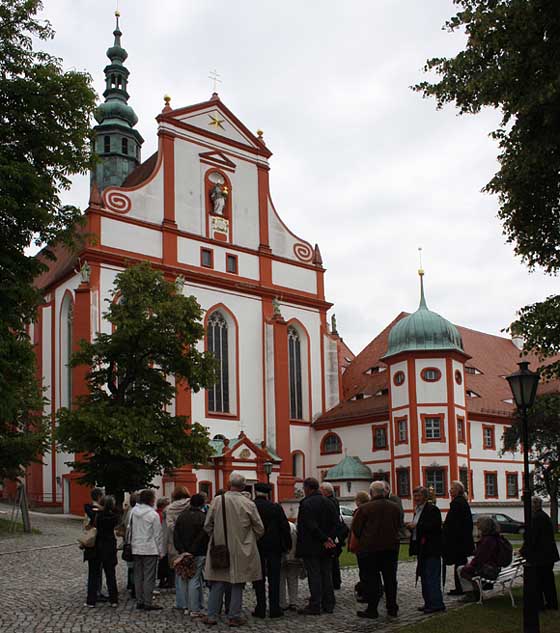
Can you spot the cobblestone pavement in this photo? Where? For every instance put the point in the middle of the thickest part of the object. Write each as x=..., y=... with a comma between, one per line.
x=43, y=590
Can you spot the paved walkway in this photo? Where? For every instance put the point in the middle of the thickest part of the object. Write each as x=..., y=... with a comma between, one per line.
x=43, y=590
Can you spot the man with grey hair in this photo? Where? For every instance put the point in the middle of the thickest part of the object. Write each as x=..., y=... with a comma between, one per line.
x=458, y=542
x=376, y=527
x=425, y=543
x=233, y=521
x=341, y=535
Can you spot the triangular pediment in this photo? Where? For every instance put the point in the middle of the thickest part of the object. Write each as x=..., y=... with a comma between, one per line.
x=212, y=118
x=218, y=158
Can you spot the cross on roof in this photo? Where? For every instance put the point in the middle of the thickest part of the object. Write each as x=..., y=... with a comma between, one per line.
x=214, y=76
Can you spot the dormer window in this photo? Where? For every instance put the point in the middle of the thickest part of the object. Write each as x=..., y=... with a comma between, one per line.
x=359, y=396
x=381, y=392
x=473, y=371
x=472, y=394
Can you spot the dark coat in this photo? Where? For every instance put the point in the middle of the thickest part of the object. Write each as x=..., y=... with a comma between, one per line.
x=458, y=542
x=376, y=526
x=428, y=534
x=189, y=534
x=277, y=537
x=105, y=542
x=317, y=521
x=543, y=545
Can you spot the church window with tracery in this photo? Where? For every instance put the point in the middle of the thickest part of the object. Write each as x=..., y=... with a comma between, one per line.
x=218, y=395
x=294, y=359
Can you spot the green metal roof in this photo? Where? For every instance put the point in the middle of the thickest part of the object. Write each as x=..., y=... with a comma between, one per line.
x=349, y=468
x=423, y=330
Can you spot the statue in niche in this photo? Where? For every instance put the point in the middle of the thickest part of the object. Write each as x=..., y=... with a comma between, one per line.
x=218, y=195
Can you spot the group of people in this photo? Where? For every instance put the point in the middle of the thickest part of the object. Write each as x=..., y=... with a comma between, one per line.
x=236, y=541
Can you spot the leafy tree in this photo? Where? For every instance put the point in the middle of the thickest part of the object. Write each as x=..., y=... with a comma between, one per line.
x=44, y=138
x=510, y=62
x=544, y=436
x=123, y=428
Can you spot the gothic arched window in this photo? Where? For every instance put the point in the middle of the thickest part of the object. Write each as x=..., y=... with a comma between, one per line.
x=66, y=316
x=218, y=395
x=294, y=360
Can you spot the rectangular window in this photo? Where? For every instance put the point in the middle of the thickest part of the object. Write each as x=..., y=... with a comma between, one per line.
x=379, y=437
x=381, y=475
x=488, y=437
x=512, y=485
x=206, y=258
x=464, y=478
x=435, y=478
x=231, y=264
x=461, y=430
x=336, y=490
x=432, y=428
x=401, y=430
x=491, y=484
x=125, y=146
x=206, y=487
x=106, y=144
x=403, y=482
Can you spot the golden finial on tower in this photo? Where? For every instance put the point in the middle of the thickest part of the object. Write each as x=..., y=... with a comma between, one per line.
x=420, y=270
x=167, y=100
x=260, y=134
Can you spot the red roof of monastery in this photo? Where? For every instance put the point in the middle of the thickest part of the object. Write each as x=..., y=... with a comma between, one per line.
x=492, y=358
x=142, y=172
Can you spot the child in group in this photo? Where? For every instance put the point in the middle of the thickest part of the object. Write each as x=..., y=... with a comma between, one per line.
x=291, y=571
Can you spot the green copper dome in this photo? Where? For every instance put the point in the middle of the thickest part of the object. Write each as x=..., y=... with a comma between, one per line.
x=115, y=111
x=350, y=468
x=423, y=331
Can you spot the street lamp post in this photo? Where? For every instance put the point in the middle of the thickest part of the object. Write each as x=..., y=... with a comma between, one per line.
x=267, y=471
x=523, y=385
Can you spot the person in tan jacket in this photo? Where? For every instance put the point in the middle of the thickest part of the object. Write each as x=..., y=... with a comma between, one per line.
x=244, y=528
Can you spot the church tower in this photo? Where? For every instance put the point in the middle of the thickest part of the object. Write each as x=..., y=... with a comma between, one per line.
x=117, y=144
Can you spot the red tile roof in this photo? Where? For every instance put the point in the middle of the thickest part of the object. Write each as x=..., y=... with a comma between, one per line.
x=493, y=356
x=142, y=172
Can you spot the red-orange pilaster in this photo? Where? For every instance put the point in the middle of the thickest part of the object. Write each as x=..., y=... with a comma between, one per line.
x=169, y=225
x=285, y=480
x=184, y=476
x=81, y=329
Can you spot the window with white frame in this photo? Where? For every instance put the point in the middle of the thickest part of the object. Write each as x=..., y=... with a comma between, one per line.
x=435, y=478
x=432, y=427
x=402, y=430
x=491, y=484
x=403, y=482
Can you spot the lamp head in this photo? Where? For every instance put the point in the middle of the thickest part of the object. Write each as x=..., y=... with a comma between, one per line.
x=523, y=385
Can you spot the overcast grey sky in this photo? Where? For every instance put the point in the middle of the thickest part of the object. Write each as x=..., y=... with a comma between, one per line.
x=362, y=165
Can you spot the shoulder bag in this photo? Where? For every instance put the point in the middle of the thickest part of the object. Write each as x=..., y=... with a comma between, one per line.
x=89, y=535
x=219, y=554
x=127, y=546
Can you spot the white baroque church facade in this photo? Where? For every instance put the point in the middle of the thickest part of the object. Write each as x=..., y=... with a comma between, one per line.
x=424, y=403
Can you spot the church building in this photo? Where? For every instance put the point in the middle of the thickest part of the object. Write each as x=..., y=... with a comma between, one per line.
x=425, y=402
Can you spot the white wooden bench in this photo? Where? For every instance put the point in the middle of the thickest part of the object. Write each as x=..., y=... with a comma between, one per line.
x=506, y=578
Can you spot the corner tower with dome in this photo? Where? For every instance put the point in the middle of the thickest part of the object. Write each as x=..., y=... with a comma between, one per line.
x=426, y=363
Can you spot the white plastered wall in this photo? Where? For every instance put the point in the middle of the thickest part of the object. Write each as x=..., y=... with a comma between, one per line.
x=430, y=392
x=129, y=237
x=292, y=276
x=188, y=252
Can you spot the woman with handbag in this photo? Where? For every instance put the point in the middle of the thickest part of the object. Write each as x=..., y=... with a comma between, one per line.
x=103, y=554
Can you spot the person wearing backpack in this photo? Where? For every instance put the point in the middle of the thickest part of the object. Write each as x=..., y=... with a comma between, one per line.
x=492, y=552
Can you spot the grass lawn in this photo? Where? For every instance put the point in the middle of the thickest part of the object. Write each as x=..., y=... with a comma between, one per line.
x=5, y=527
x=494, y=616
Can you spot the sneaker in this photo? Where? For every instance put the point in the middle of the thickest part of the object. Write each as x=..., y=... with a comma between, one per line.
x=155, y=592
x=89, y=606
x=196, y=615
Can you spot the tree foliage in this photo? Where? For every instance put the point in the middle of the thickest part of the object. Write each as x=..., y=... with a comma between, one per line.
x=124, y=426
x=510, y=62
x=544, y=437
x=44, y=138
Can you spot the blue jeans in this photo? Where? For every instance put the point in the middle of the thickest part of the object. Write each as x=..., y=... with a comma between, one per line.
x=430, y=577
x=194, y=589
x=216, y=597
x=181, y=592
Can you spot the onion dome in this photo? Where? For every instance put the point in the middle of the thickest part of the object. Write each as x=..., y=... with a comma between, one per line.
x=349, y=469
x=423, y=331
